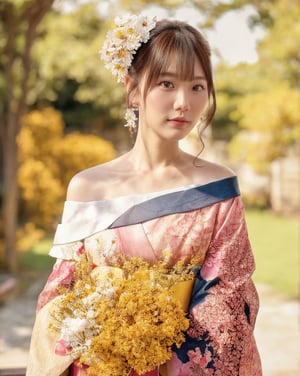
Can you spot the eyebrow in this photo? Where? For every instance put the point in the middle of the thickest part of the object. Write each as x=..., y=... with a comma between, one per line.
x=175, y=75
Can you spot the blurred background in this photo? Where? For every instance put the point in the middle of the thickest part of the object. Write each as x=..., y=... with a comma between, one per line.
x=61, y=111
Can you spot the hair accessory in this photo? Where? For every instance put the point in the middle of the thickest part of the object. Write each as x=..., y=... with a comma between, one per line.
x=131, y=120
x=122, y=43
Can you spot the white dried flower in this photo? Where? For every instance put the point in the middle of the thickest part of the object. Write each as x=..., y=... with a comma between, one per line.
x=122, y=43
x=71, y=327
x=101, y=247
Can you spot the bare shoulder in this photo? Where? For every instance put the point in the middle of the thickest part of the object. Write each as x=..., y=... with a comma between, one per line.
x=82, y=184
x=90, y=184
x=209, y=171
x=221, y=171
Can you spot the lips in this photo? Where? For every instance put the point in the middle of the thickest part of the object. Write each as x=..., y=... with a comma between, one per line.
x=179, y=121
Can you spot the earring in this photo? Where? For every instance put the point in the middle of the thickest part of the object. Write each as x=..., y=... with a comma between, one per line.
x=131, y=120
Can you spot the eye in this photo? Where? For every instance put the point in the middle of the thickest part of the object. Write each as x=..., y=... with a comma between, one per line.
x=199, y=87
x=166, y=84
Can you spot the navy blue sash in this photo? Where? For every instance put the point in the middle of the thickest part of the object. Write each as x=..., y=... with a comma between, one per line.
x=179, y=202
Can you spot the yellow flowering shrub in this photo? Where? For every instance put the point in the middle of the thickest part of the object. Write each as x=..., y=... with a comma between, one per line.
x=48, y=160
x=39, y=133
x=76, y=152
x=42, y=193
x=27, y=236
x=269, y=122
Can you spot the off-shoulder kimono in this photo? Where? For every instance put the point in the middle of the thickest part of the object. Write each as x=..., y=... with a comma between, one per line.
x=207, y=221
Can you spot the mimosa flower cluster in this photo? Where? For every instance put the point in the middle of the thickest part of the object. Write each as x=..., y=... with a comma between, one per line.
x=115, y=320
x=122, y=43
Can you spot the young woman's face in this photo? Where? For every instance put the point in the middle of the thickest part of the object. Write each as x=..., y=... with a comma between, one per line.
x=173, y=106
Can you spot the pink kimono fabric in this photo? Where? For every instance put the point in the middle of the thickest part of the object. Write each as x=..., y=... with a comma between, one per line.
x=223, y=310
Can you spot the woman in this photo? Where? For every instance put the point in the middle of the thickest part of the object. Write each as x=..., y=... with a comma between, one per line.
x=157, y=197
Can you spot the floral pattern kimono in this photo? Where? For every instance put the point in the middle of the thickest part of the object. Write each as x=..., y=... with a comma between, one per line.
x=206, y=221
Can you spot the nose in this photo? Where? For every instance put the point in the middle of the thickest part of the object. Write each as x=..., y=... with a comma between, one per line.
x=181, y=102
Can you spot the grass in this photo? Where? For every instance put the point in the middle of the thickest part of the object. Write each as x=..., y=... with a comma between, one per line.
x=37, y=258
x=276, y=242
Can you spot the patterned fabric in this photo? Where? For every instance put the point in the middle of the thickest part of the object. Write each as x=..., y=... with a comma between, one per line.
x=224, y=302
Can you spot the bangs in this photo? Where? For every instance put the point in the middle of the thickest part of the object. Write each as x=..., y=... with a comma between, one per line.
x=176, y=47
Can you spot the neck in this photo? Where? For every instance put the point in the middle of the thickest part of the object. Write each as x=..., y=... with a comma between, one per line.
x=145, y=156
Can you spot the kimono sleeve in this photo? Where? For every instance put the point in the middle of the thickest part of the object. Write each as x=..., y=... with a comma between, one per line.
x=225, y=317
x=62, y=272
x=42, y=359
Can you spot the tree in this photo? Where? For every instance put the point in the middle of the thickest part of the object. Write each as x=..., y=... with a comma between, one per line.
x=279, y=50
x=270, y=122
x=19, y=22
x=269, y=116
x=258, y=104
x=69, y=72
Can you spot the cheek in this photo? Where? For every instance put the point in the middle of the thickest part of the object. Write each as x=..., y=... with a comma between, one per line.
x=201, y=104
x=157, y=100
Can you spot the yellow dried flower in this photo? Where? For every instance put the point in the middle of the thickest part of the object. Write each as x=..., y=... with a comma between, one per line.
x=118, y=319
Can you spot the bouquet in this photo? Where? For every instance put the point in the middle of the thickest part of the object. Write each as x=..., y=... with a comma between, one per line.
x=115, y=320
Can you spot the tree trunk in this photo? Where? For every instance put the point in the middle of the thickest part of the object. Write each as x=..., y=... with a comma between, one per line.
x=10, y=199
x=18, y=20
x=9, y=147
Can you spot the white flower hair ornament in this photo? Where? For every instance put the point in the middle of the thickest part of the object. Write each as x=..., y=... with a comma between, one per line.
x=122, y=43
x=120, y=47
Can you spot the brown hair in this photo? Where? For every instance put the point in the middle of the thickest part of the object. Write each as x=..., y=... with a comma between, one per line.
x=171, y=39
